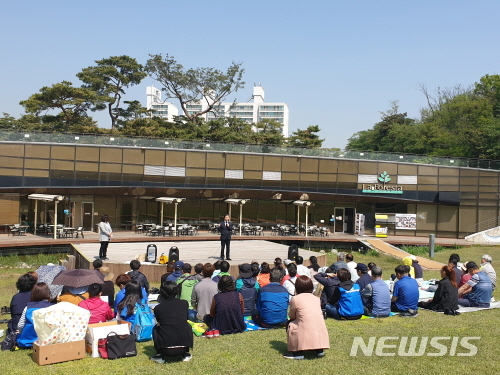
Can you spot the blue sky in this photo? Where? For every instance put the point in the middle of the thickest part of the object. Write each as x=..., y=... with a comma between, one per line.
x=336, y=63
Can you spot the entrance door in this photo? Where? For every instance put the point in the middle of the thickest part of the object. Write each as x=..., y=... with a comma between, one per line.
x=88, y=216
x=344, y=219
x=350, y=216
x=339, y=220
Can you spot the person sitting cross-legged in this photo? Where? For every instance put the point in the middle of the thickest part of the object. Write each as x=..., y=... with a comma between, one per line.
x=226, y=313
x=345, y=303
x=248, y=287
x=172, y=336
x=363, y=277
x=477, y=291
x=272, y=303
x=40, y=296
x=99, y=310
x=446, y=296
x=376, y=296
x=405, y=295
x=204, y=292
x=186, y=282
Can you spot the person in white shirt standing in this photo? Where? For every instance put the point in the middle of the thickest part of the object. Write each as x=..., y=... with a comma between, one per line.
x=105, y=234
x=351, y=265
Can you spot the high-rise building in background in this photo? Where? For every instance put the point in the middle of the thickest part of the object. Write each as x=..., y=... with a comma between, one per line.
x=253, y=111
x=159, y=107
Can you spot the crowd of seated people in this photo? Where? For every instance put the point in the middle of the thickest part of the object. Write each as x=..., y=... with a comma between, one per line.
x=288, y=295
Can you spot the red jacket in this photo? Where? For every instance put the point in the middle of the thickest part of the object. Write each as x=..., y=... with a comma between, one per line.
x=99, y=310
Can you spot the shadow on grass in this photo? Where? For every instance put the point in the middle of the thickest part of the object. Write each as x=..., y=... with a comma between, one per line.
x=279, y=346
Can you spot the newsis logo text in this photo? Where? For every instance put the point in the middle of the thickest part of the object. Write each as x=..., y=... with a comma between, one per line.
x=437, y=346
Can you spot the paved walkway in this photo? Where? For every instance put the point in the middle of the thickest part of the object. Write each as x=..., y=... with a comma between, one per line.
x=397, y=253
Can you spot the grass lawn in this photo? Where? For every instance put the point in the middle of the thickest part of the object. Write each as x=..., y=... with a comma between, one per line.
x=260, y=352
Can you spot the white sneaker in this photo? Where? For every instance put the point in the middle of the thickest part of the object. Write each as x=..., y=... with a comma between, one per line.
x=492, y=299
x=158, y=358
x=187, y=357
x=291, y=356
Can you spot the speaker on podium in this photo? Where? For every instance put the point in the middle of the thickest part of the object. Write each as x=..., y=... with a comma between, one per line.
x=293, y=252
x=173, y=254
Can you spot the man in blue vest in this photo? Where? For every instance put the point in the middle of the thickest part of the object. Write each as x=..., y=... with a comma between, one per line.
x=345, y=302
x=376, y=296
x=405, y=295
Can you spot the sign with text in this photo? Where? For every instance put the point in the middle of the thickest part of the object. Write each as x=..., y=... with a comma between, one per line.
x=383, y=187
x=406, y=221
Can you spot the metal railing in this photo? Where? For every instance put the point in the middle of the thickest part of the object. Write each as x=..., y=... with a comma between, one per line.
x=125, y=141
x=483, y=225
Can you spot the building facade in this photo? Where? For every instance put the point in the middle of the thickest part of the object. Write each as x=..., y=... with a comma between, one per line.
x=121, y=177
x=252, y=112
x=157, y=106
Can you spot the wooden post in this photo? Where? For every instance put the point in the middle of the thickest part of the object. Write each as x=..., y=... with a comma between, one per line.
x=36, y=214
x=55, y=219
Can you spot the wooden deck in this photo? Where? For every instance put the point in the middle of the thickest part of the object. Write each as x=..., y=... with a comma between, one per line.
x=242, y=251
x=130, y=237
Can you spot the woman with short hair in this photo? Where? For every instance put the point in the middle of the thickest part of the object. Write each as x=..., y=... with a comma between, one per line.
x=226, y=313
x=40, y=296
x=307, y=329
x=99, y=310
x=105, y=234
x=20, y=300
x=263, y=277
x=172, y=336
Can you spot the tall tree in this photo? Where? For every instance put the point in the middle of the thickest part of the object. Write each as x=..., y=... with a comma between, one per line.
x=306, y=138
x=269, y=132
x=73, y=102
x=109, y=78
x=195, y=85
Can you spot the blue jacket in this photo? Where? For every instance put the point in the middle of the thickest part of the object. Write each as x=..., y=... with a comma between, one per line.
x=249, y=289
x=272, y=304
x=28, y=335
x=121, y=295
x=175, y=275
x=350, y=303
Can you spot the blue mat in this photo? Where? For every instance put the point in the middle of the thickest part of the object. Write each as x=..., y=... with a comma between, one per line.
x=251, y=326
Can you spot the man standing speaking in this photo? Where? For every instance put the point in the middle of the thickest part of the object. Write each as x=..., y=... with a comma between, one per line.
x=225, y=230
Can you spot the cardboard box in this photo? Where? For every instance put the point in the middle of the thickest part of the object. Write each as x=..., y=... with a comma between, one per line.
x=100, y=331
x=56, y=353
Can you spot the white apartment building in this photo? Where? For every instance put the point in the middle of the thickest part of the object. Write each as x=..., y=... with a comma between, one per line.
x=252, y=112
x=159, y=107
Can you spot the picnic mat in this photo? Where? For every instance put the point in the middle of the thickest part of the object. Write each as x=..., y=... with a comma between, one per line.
x=462, y=309
x=251, y=326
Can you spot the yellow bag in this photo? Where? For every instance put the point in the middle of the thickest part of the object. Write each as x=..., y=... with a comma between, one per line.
x=163, y=259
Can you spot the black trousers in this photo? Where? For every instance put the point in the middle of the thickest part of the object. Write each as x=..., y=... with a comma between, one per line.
x=225, y=244
x=104, y=249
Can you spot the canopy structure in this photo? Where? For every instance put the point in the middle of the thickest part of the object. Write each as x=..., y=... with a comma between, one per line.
x=239, y=202
x=305, y=204
x=169, y=200
x=46, y=198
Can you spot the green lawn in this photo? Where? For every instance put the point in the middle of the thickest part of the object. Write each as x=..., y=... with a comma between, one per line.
x=260, y=352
